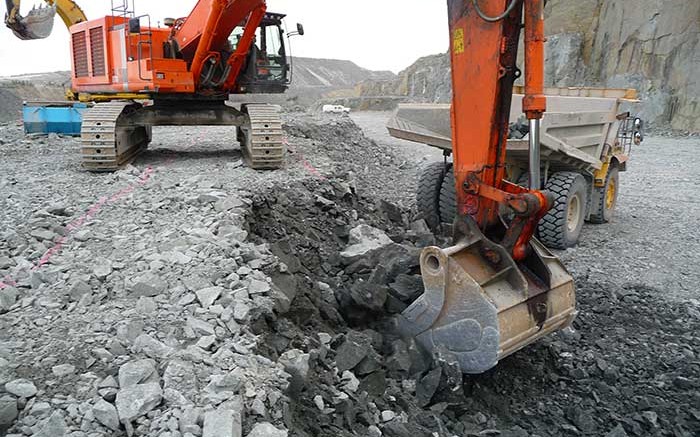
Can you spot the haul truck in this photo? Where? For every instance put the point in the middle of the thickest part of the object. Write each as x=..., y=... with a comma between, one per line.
x=585, y=143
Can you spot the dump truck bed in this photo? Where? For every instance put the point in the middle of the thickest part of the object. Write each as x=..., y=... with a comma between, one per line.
x=579, y=122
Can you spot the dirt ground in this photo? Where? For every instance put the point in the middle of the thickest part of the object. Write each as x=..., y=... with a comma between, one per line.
x=187, y=290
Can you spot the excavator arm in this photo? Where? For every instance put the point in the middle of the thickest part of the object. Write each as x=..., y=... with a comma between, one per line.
x=38, y=23
x=496, y=289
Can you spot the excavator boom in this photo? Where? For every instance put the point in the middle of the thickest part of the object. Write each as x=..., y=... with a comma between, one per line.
x=38, y=23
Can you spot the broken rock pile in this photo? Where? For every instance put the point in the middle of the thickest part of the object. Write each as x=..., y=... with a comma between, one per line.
x=354, y=262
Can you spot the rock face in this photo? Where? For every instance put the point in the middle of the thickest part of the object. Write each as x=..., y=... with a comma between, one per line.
x=653, y=46
x=309, y=72
x=649, y=45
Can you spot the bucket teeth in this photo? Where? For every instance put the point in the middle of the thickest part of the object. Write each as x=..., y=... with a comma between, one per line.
x=262, y=139
x=38, y=24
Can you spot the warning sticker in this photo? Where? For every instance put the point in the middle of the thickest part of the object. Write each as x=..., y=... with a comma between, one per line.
x=458, y=41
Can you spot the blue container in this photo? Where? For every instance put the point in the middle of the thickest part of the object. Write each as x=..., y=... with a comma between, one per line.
x=53, y=117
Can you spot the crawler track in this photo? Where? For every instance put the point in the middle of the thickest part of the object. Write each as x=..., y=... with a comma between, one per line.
x=107, y=146
x=262, y=138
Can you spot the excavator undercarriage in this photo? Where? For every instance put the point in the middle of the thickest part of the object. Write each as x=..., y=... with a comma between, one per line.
x=114, y=133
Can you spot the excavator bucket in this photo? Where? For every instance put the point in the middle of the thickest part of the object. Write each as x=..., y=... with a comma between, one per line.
x=38, y=24
x=480, y=305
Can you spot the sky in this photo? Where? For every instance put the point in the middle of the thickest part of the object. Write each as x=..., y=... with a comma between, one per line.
x=375, y=34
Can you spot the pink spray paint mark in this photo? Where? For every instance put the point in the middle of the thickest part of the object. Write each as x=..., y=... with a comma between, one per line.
x=78, y=223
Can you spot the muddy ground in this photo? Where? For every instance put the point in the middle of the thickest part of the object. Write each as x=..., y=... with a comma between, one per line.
x=187, y=293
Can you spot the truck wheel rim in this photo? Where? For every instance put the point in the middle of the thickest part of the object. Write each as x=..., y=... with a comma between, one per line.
x=610, y=195
x=573, y=215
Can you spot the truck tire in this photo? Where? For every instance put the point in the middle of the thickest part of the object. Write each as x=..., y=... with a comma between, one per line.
x=607, y=198
x=448, y=197
x=428, y=194
x=561, y=227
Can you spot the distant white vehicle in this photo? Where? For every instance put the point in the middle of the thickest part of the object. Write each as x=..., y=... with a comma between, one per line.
x=335, y=109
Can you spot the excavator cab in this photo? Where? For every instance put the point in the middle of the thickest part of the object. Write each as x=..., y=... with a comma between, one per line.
x=37, y=24
x=268, y=69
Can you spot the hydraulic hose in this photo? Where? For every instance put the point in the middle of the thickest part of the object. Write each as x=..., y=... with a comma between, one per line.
x=485, y=17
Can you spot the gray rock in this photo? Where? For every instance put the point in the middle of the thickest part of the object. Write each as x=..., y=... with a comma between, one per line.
x=136, y=401
x=102, y=268
x=58, y=209
x=146, y=305
x=241, y=311
x=174, y=398
x=200, y=326
x=355, y=348
x=320, y=404
x=427, y=386
x=5, y=262
x=108, y=382
x=388, y=416
x=258, y=287
x=151, y=347
x=369, y=295
x=195, y=282
x=78, y=290
x=22, y=388
x=228, y=204
x=40, y=409
x=230, y=382
x=296, y=363
x=223, y=423
x=206, y=342
x=179, y=372
x=373, y=431
x=106, y=414
x=8, y=297
x=149, y=285
x=55, y=426
x=207, y=296
x=266, y=429
x=211, y=197
x=407, y=287
x=137, y=372
x=8, y=411
x=42, y=234
x=108, y=394
x=618, y=431
x=350, y=383
x=63, y=370
x=190, y=419
x=364, y=239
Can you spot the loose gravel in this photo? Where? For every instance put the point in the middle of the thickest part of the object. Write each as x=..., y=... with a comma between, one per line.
x=188, y=295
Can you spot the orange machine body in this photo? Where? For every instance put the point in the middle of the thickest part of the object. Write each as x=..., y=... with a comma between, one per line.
x=109, y=58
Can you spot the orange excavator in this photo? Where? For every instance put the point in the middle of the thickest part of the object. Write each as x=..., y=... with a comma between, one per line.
x=141, y=75
x=491, y=293
x=496, y=289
